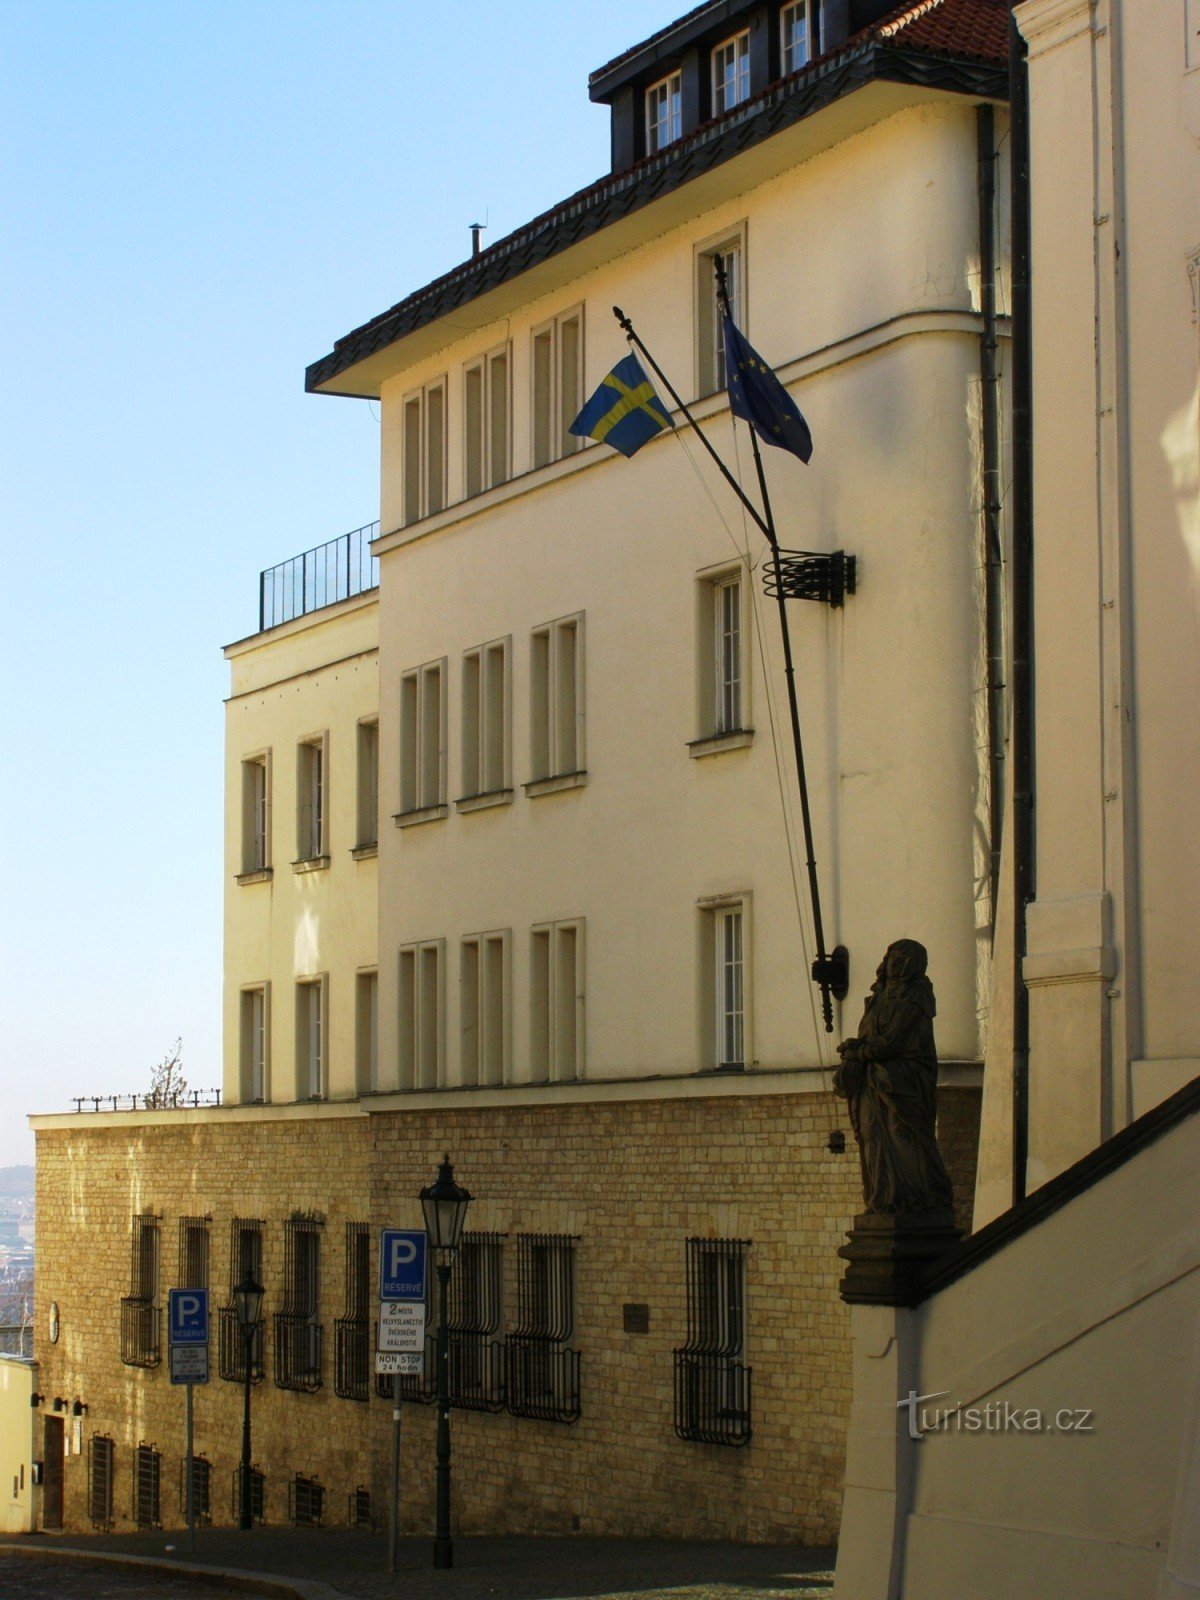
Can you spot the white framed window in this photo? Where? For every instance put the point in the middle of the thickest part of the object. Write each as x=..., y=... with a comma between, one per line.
x=256, y=813
x=254, y=1022
x=485, y=1009
x=798, y=42
x=556, y=699
x=422, y=1014
x=725, y=982
x=730, y=249
x=664, y=117
x=366, y=1031
x=487, y=445
x=423, y=738
x=424, y=451
x=312, y=1019
x=731, y=73
x=312, y=799
x=486, y=720
x=367, y=787
x=723, y=623
x=557, y=362
x=556, y=1001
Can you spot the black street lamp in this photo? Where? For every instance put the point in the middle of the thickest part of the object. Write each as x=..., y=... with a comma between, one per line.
x=248, y=1298
x=445, y=1206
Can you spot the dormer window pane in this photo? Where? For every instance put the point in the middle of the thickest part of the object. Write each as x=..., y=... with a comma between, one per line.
x=798, y=36
x=731, y=73
x=663, y=116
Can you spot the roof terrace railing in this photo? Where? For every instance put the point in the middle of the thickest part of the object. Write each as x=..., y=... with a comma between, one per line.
x=330, y=572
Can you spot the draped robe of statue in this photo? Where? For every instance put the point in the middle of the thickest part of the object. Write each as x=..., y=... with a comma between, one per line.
x=888, y=1078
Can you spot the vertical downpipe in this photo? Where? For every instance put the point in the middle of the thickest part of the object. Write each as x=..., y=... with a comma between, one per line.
x=993, y=554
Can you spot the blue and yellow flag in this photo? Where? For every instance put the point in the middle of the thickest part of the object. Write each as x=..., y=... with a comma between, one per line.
x=624, y=411
x=757, y=396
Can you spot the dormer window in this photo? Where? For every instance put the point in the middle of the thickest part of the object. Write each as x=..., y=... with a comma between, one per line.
x=731, y=73
x=663, y=113
x=797, y=35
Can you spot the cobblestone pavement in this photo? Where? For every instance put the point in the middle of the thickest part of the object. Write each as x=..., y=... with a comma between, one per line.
x=26, y=1577
x=327, y=1563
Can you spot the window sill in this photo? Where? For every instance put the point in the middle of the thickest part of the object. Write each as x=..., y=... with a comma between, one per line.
x=716, y=744
x=410, y=819
x=313, y=864
x=258, y=875
x=481, y=802
x=365, y=852
x=561, y=780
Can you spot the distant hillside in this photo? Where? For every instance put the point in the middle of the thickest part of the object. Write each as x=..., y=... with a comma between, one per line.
x=16, y=1183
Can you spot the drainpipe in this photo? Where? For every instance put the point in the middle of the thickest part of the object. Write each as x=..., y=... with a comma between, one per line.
x=1021, y=695
x=993, y=555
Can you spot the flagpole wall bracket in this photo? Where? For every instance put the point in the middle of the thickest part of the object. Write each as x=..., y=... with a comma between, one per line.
x=833, y=972
x=809, y=575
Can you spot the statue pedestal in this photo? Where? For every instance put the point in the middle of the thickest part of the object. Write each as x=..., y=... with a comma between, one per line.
x=888, y=1255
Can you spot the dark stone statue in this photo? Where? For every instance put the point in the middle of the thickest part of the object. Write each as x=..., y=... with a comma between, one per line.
x=888, y=1078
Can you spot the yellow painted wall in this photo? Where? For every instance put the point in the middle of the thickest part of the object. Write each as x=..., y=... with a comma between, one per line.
x=17, y=1449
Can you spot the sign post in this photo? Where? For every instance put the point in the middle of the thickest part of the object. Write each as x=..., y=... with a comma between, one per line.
x=401, y=1336
x=187, y=1339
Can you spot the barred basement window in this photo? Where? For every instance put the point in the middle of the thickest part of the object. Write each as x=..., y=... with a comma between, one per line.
x=139, y=1308
x=352, y=1332
x=543, y=1372
x=358, y=1509
x=712, y=1382
x=474, y=1317
x=306, y=1502
x=101, y=1467
x=297, y=1330
x=147, y=1477
x=201, y=1490
x=193, y=1252
x=245, y=1255
x=258, y=1495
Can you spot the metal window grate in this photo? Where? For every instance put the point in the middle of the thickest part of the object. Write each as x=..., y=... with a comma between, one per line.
x=101, y=1464
x=474, y=1310
x=245, y=1255
x=298, y=1333
x=193, y=1252
x=258, y=1495
x=542, y=1371
x=306, y=1502
x=352, y=1332
x=358, y=1510
x=140, y=1345
x=712, y=1383
x=147, y=1479
x=201, y=1489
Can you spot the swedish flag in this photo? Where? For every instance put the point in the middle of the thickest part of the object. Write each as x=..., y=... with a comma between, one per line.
x=624, y=411
x=757, y=396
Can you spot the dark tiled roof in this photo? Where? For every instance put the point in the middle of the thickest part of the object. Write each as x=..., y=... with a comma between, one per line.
x=957, y=45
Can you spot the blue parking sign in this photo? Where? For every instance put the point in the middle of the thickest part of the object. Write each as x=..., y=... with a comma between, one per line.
x=187, y=1316
x=402, y=1264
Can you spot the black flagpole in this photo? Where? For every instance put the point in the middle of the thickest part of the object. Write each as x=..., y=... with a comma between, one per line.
x=821, y=970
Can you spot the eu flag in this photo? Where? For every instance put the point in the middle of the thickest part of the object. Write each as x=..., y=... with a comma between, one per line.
x=757, y=396
x=624, y=411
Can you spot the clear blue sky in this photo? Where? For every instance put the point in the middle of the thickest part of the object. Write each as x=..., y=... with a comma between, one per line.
x=196, y=200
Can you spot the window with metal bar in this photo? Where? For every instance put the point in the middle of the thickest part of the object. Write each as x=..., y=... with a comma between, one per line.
x=712, y=1381
x=542, y=1369
x=474, y=1317
x=258, y=1495
x=193, y=1252
x=201, y=1489
x=306, y=1502
x=147, y=1481
x=352, y=1332
x=358, y=1509
x=245, y=1256
x=101, y=1465
x=298, y=1331
x=139, y=1308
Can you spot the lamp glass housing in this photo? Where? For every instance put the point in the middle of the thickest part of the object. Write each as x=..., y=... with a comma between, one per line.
x=248, y=1297
x=445, y=1204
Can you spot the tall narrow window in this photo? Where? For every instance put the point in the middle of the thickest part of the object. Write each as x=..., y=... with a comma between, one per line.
x=425, y=451
x=254, y=1024
x=725, y=987
x=663, y=113
x=245, y=1258
x=101, y=1468
x=710, y=327
x=311, y=1022
x=556, y=1002
x=727, y=653
x=556, y=700
x=366, y=1031
x=256, y=815
x=731, y=73
x=798, y=41
x=422, y=741
x=297, y=1326
x=422, y=1004
x=147, y=1486
x=139, y=1308
x=475, y=1317
x=712, y=1382
x=484, y=1009
x=557, y=386
x=352, y=1331
x=368, y=785
x=193, y=1253
x=486, y=445
x=312, y=842
x=543, y=1371
x=486, y=722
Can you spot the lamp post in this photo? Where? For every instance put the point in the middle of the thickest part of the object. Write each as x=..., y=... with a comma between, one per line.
x=445, y=1204
x=247, y=1297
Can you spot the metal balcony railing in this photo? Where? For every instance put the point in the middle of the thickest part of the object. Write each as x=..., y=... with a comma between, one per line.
x=322, y=576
